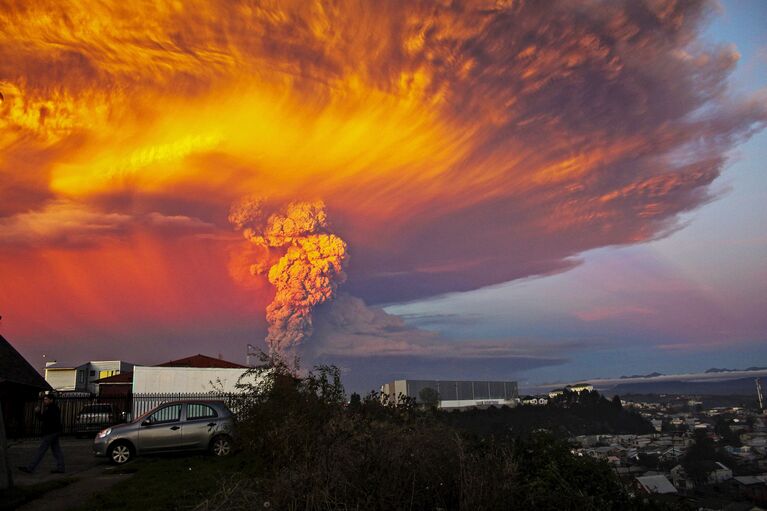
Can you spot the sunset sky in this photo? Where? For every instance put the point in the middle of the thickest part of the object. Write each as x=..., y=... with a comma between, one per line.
x=539, y=191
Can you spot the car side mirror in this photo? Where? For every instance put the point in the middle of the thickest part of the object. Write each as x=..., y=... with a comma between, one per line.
x=146, y=422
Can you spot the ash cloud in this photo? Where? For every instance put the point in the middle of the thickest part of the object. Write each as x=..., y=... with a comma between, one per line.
x=64, y=223
x=348, y=327
x=376, y=346
x=306, y=275
x=533, y=131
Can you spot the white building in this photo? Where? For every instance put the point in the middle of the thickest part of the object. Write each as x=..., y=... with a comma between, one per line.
x=719, y=474
x=186, y=380
x=81, y=378
x=457, y=394
x=580, y=387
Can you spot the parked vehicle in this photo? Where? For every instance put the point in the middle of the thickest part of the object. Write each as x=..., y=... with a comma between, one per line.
x=95, y=417
x=174, y=426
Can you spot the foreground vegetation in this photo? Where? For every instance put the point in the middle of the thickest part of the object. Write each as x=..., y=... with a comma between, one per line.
x=313, y=451
x=175, y=482
x=304, y=447
x=574, y=414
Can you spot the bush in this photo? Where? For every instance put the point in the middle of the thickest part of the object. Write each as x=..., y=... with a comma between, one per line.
x=316, y=452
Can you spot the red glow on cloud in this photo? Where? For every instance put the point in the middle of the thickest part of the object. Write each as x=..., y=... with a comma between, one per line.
x=456, y=145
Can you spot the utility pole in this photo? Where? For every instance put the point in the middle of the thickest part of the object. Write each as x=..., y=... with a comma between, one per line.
x=6, y=476
x=250, y=351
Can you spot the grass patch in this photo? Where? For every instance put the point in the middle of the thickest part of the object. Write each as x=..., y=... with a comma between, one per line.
x=19, y=495
x=168, y=483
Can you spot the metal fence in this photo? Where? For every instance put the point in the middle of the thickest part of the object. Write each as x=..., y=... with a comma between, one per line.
x=120, y=409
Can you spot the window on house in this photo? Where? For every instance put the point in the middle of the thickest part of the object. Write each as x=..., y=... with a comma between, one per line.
x=93, y=373
x=80, y=376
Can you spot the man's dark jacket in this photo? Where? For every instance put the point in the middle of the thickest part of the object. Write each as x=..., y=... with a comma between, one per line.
x=51, y=419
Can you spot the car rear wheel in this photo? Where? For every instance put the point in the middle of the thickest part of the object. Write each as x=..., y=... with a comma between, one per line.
x=221, y=446
x=120, y=453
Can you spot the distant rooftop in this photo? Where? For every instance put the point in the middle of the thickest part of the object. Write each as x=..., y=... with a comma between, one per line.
x=15, y=369
x=202, y=361
x=656, y=484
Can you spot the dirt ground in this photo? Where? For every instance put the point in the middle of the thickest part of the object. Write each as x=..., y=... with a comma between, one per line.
x=92, y=474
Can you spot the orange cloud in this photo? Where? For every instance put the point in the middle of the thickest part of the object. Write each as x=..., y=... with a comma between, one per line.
x=456, y=145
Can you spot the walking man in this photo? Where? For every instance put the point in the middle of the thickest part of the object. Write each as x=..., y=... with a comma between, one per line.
x=51, y=419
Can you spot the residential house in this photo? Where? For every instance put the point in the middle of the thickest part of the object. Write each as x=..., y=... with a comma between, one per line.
x=580, y=387
x=118, y=385
x=534, y=400
x=751, y=487
x=680, y=478
x=655, y=484
x=82, y=378
x=19, y=383
x=195, y=374
x=556, y=393
x=719, y=473
x=672, y=454
x=175, y=376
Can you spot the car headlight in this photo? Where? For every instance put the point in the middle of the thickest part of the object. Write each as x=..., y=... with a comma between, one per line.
x=104, y=432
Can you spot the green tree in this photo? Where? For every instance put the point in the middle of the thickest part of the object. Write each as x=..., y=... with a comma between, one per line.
x=722, y=428
x=355, y=401
x=697, y=460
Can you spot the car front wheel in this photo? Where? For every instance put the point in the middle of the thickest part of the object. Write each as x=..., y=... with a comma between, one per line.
x=120, y=453
x=221, y=446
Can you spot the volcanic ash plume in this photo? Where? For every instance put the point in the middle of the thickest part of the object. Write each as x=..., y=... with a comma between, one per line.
x=306, y=275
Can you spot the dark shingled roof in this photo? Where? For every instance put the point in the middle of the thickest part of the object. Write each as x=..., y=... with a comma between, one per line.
x=201, y=361
x=15, y=369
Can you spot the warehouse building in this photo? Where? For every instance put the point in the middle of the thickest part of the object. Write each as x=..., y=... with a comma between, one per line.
x=455, y=393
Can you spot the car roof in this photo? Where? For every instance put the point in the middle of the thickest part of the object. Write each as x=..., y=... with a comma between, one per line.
x=192, y=401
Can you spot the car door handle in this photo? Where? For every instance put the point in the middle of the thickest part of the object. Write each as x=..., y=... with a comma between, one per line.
x=174, y=428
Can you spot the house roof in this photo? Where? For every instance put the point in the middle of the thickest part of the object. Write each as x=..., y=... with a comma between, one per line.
x=656, y=484
x=15, y=369
x=749, y=480
x=126, y=377
x=202, y=361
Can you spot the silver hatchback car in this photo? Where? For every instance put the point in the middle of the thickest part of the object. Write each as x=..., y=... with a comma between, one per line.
x=173, y=426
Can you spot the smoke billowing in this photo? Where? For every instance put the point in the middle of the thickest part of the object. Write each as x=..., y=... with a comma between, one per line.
x=461, y=144
x=306, y=275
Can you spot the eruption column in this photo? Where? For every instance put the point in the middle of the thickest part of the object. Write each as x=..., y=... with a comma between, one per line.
x=306, y=275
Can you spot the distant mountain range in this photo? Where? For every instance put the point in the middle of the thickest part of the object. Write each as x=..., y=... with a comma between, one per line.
x=707, y=371
x=714, y=381
x=651, y=375
x=737, y=387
